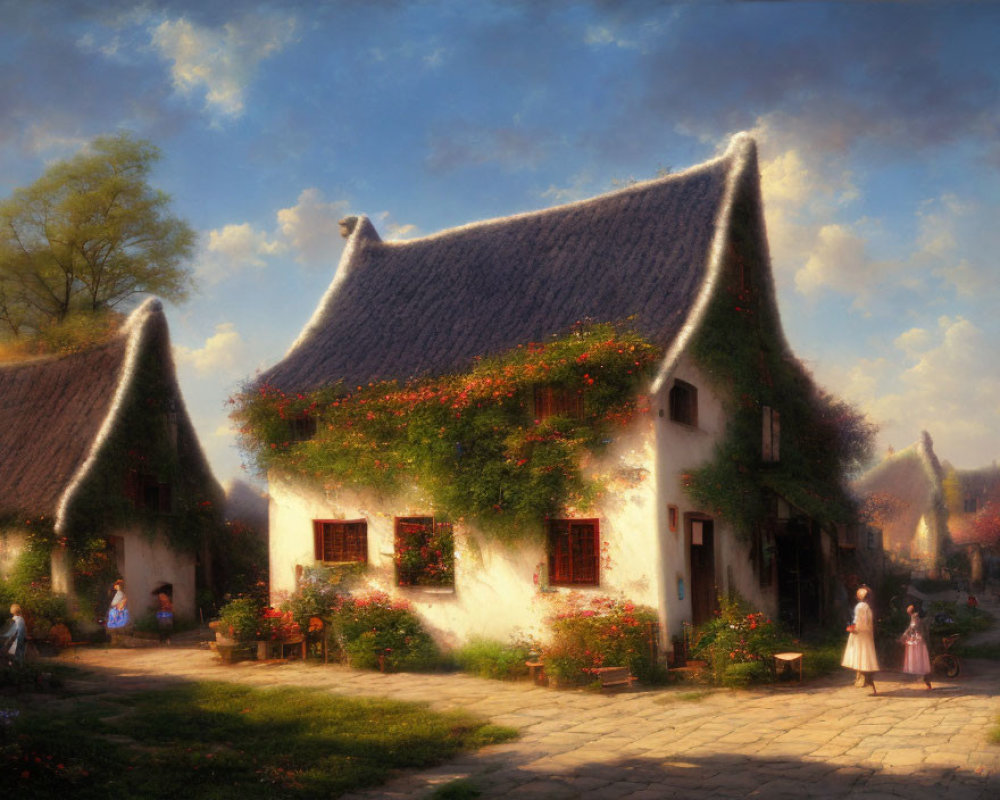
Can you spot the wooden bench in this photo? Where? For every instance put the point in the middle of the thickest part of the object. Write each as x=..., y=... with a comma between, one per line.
x=614, y=677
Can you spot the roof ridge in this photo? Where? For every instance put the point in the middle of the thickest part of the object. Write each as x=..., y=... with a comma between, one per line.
x=742, y=149
x=735, y=150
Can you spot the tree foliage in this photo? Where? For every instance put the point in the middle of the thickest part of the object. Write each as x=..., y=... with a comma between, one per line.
x=87, y=236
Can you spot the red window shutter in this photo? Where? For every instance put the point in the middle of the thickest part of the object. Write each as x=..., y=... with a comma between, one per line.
x=583, y=538
x=560, y=562
x=318, y=540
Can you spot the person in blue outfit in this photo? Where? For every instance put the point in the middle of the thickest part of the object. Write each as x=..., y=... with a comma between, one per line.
x=14, y=637
x=118, y=614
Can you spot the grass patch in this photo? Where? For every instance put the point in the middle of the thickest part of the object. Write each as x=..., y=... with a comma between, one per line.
x=684, y=697
x=232, y=741
x=488, y=658
x=461, y=789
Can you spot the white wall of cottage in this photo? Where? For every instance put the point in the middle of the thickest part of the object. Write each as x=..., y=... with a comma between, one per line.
x=148, y=562
x=497, y=591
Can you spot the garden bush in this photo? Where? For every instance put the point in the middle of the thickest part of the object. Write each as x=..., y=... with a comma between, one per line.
x=238, y=619
x=489, y=658
x=739, y=636
x=375, y=631
x=588, y=634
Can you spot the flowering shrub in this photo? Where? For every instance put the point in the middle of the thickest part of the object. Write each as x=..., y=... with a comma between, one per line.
x=425, y=554
x=375, y=631
x=471, y=441
x=238, y=619
x=739, y=644
x=276, y=626
x=589, y=633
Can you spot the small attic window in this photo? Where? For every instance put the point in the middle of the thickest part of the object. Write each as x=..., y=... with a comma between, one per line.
x=148, y=493
x=684, y=403
x=561, y=401
x=303, y=429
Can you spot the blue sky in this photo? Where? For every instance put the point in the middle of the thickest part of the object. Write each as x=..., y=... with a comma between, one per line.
x=877, y=126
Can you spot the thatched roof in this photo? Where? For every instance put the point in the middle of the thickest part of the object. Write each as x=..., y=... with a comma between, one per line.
x=56, y=413
x=650, y=252
x=912, y=480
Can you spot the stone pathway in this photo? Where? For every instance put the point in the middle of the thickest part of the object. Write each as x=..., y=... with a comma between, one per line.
x=822, y=739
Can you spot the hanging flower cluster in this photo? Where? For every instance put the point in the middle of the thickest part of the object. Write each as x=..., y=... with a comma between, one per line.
x=502, y=443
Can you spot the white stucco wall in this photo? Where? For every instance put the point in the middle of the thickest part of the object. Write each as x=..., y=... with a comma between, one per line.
x=495, y=593
x=150, y=562
x=680, y=448
x=12, y=542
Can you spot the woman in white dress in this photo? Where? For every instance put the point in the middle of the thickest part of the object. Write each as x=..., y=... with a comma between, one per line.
x=916, y=658
x=859, y=654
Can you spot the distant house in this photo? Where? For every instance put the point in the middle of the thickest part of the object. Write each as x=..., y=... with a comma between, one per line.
x=96, y=449
x=906, y=490
x=973, y=500
x=681, y=257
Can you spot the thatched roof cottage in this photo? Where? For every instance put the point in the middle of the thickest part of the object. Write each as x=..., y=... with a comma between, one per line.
x=684, y=259
x=907, y=488
x=97, y=445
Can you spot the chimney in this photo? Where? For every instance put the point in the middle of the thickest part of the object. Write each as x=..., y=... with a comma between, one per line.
x=347, y=226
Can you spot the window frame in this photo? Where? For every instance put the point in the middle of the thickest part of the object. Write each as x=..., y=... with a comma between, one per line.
x=434, y=525
x=323, y=527
x=553, y=400
x=148, y=493
x=682, y=402
x=571, y=564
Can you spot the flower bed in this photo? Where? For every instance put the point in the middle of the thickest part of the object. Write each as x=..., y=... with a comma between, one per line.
x=373, y=631
x=591, y=633
x=739, y=644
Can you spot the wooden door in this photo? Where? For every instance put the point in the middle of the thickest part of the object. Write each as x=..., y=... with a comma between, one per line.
x=701, y=545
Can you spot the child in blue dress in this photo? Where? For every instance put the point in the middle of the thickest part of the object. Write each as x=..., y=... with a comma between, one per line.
x=118, y=615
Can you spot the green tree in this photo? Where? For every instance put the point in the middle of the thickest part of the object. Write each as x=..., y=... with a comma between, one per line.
x=88, y=235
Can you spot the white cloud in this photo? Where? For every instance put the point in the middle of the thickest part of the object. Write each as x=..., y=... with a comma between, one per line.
x=311, y=227
x=222, y=353
x=944, y=380
x=233, y=249
x=222, y=61
x=602, y=35
x=839, y=260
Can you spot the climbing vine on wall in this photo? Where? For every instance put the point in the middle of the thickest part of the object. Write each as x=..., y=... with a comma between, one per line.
x=472, y=441
x=822, y=438
x=148, y=441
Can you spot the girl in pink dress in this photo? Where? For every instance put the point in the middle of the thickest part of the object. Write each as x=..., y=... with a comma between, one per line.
x=916, y=659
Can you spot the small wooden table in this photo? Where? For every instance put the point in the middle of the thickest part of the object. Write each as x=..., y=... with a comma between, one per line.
x=791, y=659
x=536, y=671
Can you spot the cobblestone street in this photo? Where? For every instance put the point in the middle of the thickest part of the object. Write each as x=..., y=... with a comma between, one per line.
x=823, y=739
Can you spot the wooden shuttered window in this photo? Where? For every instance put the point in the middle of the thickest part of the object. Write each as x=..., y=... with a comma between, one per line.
x=340, y=541
x=574, y=552
x=552, y=401
x=148, y=493
x=683, y=402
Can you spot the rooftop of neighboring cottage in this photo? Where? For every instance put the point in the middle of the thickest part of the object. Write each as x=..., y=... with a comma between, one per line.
x=56, y=412
x=649, y=253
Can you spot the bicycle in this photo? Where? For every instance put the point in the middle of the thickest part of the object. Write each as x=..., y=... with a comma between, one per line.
x=946, y=663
